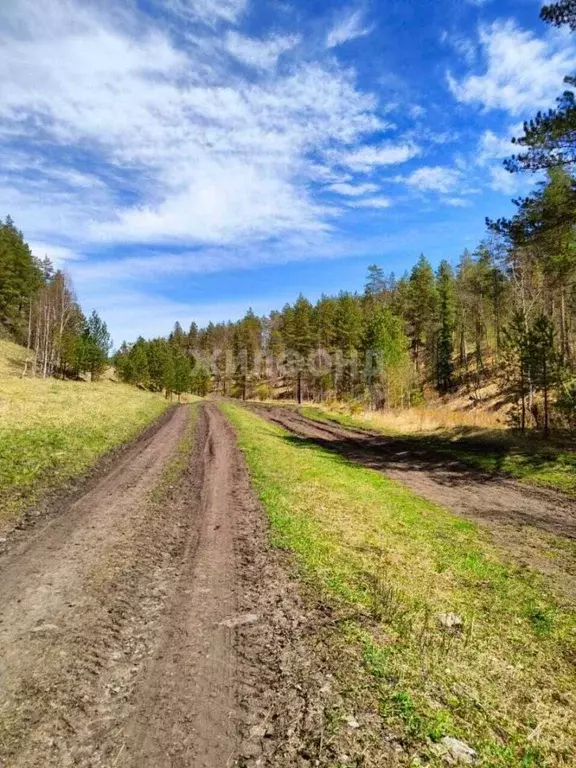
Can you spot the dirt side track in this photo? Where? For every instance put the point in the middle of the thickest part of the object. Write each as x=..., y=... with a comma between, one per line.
x=141, y=631
x=529, y=525
x=470, y=492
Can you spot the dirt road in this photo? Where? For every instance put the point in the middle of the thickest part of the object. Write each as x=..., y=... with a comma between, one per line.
x=509, y=509
x=156, y=628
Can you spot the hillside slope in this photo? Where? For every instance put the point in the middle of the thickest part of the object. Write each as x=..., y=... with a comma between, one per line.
x=52, y=430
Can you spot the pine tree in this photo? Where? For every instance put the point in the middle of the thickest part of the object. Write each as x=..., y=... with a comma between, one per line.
x=421, y=309
x=550, y=137
x=178, y=338
x=375, y=281
x=542, y=362
x=301, y=340
x=20, y=279
x=446, y=317
x=517, y=362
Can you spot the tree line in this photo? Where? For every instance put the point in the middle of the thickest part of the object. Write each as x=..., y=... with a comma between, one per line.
x=503, y=315
x=162, y=365
x=39, y=310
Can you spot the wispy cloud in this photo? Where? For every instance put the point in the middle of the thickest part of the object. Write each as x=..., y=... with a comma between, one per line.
x=368, y=157
x=207, y=154
x=261, y=54
x=433, y=179
x=456, y=202
x=348, y=27
x=371, y=202
x=352, y=190
x=209, y=12
x=59, y=255
x=503, y=181
x=522, y=72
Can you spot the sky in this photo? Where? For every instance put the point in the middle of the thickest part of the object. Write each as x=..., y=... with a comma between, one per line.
x=188, y=159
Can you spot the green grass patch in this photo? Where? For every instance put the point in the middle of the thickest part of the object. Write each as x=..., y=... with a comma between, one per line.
x=51, y=430
x=394, y=565
x=529, y=459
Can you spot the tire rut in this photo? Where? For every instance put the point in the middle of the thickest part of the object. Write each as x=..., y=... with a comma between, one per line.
x=78, y=599
x=188, y=698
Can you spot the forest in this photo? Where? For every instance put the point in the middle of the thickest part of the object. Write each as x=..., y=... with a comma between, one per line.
x=38, y=309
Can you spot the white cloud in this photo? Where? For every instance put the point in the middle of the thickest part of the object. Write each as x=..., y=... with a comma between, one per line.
x=503, y=181
x=261, y=54
x=456, y=202
x=433, y=179
x=58, y=254
x=466, y=48
x=523, y=72
x=130, y=313
x=368, y=157
x=348, y=27
x=352, y=190
x=416, y=111
x=208, y=11
x=494, y=147
x=371, y=202
x=207, y=155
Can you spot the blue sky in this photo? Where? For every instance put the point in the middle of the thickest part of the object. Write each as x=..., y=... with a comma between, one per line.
x=186, y=159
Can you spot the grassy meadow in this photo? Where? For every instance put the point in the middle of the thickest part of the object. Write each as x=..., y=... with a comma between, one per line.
x=479, y=444
x=398, y=571
x=52, y=430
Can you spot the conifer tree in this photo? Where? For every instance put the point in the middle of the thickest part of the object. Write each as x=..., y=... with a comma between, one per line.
x=446, y=315
x=421, y=309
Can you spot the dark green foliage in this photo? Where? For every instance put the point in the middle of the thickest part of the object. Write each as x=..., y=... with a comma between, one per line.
x=200, y=381
x=375, y=281
x=561, y=13
x=93, y=347
x=21, y=276
x=543, y=364
x=549, y=138
x=161, y=365
x=446, y=322
x=420, y=310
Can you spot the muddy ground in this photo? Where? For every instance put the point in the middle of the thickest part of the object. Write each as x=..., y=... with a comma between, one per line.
x=149, y=623
x=527, y=522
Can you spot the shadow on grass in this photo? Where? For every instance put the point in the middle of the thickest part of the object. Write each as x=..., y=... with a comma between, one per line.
x=488, y=452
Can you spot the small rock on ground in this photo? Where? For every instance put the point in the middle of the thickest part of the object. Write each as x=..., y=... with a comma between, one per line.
x=456, y=752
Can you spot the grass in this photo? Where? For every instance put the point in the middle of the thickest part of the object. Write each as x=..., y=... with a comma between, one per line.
x=393, y=564
x=529, y=459
x=51, y=430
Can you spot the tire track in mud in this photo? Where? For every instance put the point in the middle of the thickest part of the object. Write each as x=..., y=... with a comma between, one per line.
x=187, y=702
x=78, y=597
x=139, y=631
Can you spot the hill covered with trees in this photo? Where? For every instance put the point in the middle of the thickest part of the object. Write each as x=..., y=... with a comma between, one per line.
x=38, y=309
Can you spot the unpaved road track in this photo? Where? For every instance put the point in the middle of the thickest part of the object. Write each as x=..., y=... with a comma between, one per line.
x=148, y=629
x=473, y=493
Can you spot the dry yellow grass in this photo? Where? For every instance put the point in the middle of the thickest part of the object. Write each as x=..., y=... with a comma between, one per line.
x=52, y=430
x=412, y=420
